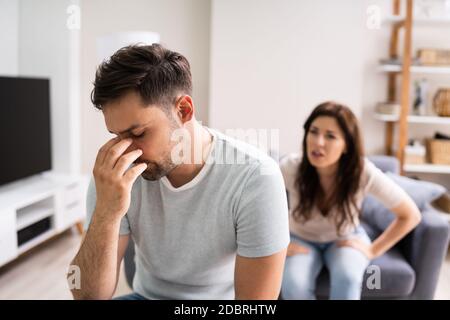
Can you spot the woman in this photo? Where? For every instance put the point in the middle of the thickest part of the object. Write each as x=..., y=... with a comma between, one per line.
x=326, y=187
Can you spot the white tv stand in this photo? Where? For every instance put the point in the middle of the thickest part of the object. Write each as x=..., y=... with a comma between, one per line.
x=56, y=201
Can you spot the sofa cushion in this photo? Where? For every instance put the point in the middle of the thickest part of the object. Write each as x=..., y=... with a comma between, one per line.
x=397, y=278
x=422, y=192
x=386, y=163
x=371, y=231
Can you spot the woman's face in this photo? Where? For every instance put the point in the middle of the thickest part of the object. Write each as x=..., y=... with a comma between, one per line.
x=325, y=142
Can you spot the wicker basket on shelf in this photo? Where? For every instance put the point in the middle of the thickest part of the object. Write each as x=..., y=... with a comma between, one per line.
x=415, y=154
x=438, y=151
x=433, y=57
x=441, y=102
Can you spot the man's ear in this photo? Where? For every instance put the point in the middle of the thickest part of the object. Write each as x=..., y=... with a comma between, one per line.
x=185, y=108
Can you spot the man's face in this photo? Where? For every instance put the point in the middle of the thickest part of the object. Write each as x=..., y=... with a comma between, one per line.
x=149, y=128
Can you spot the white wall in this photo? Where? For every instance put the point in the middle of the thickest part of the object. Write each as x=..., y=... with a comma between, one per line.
x=255, y=63
x=183, y=25
x=9, y=30
x=47, y=48
x=272, y=61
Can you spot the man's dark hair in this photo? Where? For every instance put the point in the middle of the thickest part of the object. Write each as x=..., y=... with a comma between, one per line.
x=157, y=74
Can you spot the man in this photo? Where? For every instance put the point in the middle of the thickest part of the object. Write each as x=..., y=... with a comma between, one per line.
x=204, y=228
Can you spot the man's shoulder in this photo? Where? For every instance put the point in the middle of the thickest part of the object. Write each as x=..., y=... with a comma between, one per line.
x=233, y=150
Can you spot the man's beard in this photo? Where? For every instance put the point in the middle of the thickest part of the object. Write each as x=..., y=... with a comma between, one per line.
x=156, y=171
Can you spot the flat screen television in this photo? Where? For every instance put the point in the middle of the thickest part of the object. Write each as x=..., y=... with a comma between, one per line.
x=25, y=142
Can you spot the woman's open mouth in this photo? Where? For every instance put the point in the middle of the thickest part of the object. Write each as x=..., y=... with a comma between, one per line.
x=317, y=154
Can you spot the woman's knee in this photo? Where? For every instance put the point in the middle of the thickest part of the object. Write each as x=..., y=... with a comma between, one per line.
x=299, y=282
x=347, y=276
x=298, y=287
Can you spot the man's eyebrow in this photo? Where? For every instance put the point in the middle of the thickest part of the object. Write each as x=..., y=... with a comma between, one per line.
x=134, y=126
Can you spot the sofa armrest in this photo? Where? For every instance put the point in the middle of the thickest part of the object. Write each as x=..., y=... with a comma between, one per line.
x=425, y=249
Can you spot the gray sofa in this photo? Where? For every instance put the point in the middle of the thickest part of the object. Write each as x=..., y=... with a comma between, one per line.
x=410, y=270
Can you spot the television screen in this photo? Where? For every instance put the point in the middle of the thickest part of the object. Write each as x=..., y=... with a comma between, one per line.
x=25, y=147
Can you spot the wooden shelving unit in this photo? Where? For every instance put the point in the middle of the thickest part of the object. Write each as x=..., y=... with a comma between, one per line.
x=415, y=69
x=418, y=22
x=413, y=119
x=404, y=70
x=427, y=168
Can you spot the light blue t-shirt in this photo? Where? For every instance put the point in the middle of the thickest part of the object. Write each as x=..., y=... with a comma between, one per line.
x=187, y=238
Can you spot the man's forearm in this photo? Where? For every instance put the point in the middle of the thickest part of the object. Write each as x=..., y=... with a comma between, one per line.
x=97, y=260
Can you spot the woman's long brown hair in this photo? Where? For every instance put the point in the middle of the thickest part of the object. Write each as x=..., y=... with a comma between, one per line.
x=351, y=163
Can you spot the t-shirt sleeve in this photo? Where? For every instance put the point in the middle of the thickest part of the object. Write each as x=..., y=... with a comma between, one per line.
x=382, y=187
x=90, y=207
x=262, y=225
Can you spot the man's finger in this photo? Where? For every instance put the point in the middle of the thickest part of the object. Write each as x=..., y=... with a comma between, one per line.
x=115, y=152
x=125, y=161
x=134, y=172
x=103, y=149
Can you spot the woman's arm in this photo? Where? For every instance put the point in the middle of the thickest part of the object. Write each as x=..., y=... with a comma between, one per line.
x=407, y=218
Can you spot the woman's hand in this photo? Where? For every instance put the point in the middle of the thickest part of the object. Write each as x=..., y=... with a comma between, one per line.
x=294, y=249
x=358, y=244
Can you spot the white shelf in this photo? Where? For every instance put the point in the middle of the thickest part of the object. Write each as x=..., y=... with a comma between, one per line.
x=416, y=69
x=429, y=119
x=419, y=22
x=386, y=117
x=427, y=168
x=393, y=19
x=57, y=197
x=33, y=214
x=35, y=188
x=413, y=119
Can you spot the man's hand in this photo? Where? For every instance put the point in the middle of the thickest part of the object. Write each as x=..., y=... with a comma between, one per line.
x=102, y=248
x=113, y=181
x=294, y=249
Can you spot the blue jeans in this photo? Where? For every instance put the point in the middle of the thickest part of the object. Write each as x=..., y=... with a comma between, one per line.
x=131, y=296
x=346, y=266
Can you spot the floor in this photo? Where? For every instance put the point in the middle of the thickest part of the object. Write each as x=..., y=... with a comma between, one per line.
x=40, y=274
